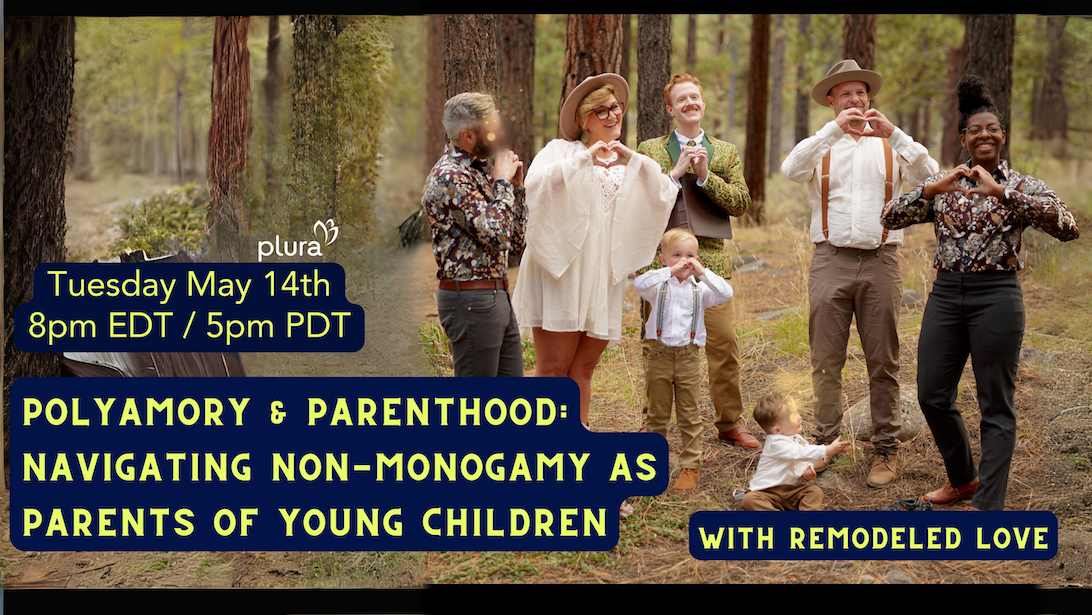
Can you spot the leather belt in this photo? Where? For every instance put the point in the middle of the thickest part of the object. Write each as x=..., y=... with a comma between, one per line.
x=857, y=251
x=474, y=284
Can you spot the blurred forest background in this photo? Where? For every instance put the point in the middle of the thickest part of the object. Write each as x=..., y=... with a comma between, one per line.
x=325, y=113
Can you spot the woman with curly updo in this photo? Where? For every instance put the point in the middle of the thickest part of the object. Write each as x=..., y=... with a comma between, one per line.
x=979, y=210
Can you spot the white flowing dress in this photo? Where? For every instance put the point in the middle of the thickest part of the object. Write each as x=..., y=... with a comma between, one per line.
x=588, y=228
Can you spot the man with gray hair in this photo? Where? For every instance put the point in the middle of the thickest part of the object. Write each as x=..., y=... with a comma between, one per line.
x=474, y=200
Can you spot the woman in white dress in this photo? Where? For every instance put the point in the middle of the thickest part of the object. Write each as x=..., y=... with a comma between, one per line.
x=596, y=212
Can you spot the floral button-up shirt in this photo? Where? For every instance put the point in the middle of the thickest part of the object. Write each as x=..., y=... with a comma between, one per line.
x=476, y=221
x=983, y=233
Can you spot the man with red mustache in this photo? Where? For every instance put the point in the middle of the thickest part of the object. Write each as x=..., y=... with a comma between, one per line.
x=852, y=170
x=689, y=155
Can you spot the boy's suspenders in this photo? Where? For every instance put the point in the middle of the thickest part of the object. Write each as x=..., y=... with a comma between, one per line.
x=694, y=317
x=889, y=186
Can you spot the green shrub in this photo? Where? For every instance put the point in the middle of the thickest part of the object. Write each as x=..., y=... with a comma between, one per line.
x=166, y=222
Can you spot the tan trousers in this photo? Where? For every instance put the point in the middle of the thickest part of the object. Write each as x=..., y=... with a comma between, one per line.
x=844, y=283
x=785, y=497
x=722, y=354
x=675, y=373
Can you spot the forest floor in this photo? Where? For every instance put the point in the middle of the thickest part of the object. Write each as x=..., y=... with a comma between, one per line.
x=1052, y=465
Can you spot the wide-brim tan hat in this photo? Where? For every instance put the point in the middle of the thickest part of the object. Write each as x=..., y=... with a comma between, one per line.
x=846, y=70
x=569, y=128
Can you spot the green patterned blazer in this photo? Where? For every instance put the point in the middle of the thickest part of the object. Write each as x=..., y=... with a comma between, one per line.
x=725, y=186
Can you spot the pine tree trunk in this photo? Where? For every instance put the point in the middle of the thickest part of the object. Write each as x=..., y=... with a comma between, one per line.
x=627, y=45
x=313, y=149
x=691, y=42
x=653, y=73
x=470, y=59
x=754, y=158
x=434, y=96
x=951, y=152
x=776, y=95
x=990, y=42
x=1055, y=114
x=860, y=40
x=593, y=45
x=273, y=84
x=229, y=133
x=803, y=88
x=722, y=21
x=39, y=57
x=733, y=85
x=516, y=79
x=177, y=149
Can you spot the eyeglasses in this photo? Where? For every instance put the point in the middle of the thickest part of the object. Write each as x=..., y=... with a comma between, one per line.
x=603, y=112
x=974, y=131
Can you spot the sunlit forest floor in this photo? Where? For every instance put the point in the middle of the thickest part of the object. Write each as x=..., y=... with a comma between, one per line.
x=1052, y=466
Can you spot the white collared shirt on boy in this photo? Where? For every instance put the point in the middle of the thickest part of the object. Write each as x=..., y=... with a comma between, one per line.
x=784, y=459
x=679, y=304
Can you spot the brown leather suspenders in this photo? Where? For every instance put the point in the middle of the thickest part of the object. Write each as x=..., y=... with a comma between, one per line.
x=889, y=186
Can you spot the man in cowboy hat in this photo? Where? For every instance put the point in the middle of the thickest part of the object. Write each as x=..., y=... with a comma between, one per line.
x=852, y=170
x=715, y=166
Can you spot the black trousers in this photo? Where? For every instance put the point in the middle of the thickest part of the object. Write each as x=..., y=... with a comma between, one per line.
x=980, y=314
x=483, y=331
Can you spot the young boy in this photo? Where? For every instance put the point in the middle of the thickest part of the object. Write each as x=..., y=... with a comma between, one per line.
x=679, y=293
x=786, y=459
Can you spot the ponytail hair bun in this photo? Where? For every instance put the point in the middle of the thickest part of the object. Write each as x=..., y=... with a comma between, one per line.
x=974, y=97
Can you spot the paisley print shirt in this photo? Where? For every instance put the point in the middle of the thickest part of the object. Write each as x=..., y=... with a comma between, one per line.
x=983, y=233
x=476, y=221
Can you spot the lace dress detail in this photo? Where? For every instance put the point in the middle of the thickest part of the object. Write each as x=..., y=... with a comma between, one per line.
x=610, y=180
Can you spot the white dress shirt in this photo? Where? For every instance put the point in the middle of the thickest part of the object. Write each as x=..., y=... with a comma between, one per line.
x=683, y=140
x=857, y=181
x=679, y=304
x=784, y=459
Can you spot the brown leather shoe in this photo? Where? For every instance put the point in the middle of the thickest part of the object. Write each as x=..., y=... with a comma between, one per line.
x=884, y=468
x=819, y=466
x=688, y=479
x=740, y=437
x=948, y=494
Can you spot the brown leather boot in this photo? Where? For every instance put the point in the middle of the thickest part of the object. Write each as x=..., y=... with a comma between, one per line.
x=884, y=467
x=688, y=479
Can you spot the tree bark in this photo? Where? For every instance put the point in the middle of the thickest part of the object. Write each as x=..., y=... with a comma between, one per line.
x=229, y=133
x=733, y=85
x=691, y=42
x=470, y=60
x=39, y=58
x=653, y=73
x=803, y=88
x=1051, y=115
x=776, y=95
x=313, y=155
x=516, y=66
x=434, y=96
x=273, y=85
x=754, y=158
x=990, y=42
x=627, y=45
x=950, y=149
x=593, y=45
x=860, y=40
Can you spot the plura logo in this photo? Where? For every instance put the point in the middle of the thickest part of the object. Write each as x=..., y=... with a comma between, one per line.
x=325, y=234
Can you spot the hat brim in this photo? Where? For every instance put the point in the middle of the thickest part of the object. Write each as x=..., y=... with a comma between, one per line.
x=872, y=78
x=570, y=129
